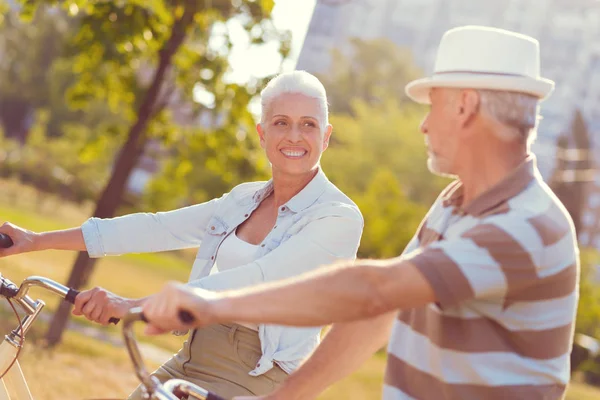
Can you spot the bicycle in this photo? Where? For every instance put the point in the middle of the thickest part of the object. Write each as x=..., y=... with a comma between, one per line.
x=11, y=374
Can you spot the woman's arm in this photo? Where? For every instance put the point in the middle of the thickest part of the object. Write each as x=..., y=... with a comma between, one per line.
x=148, y=232
x=133, y=233
x=25, y=240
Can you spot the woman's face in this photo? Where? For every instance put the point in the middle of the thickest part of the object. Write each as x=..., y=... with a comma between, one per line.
x=292, y=136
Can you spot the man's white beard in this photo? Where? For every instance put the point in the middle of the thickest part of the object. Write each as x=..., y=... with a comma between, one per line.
x=437, y=169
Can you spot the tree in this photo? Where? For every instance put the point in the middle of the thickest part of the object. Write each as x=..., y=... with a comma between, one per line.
x=588, y=311
x=384, y=136
x=225, y=160
x=138, y=56
x=27, y=76
x=574, y=169
x=391, y=219
x=374, y=71
x=377, y=154
x=380, y=161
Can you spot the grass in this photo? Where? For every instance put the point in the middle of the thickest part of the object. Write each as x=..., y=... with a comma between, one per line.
x=83, y=367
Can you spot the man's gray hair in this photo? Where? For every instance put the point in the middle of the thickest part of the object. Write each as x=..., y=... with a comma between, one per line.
x=519, y=111
x=297, y=82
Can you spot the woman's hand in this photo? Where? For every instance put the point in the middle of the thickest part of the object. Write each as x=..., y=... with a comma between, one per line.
x=23, y=240
x=99, y=305
x=162, y=309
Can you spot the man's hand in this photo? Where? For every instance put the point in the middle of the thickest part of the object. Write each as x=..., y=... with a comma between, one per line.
x=99, y=305
x=162, y=309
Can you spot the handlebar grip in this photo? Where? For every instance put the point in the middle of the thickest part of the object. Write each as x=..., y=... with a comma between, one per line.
x=186, y=317
x=212, y=396
x=5, y=241
x=70, y=297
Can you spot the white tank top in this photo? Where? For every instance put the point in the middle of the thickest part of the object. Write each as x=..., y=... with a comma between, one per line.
x=234, y=252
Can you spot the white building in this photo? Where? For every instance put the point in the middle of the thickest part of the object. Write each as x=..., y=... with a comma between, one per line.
x=568, y=31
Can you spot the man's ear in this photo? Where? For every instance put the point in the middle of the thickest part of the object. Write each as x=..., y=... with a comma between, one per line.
x=469, y=103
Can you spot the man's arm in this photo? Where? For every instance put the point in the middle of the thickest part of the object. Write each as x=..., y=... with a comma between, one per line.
x=343, y=293
x=343, y=350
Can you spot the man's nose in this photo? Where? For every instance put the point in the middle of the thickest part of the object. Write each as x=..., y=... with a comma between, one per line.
x=423, y=126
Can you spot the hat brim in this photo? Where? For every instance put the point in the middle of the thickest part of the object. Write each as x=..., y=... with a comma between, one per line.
x=419, y=89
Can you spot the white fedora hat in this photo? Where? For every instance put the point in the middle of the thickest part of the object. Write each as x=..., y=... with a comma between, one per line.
x=478, y=57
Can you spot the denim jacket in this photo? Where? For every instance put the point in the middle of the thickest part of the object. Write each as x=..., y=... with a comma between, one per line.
x=316, y=227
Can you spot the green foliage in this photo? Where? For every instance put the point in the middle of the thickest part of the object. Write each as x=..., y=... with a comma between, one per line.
x=377, y=154
x=70, y=165
x=375, y=71
x=588, y=312
x=391, y=219
x=204, y=166
x=384, y=136
x=111, y=56
x=27, y=77
x=379, y=159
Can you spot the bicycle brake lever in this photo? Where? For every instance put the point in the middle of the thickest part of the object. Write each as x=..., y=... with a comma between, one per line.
x=9, y=289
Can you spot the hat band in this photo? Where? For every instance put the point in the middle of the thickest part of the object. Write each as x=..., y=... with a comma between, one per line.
x=483, y=73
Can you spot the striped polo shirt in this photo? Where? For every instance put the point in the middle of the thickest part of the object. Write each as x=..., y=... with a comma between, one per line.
x=505, y=272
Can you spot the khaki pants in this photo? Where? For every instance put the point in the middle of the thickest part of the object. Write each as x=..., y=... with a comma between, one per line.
x=219, y=358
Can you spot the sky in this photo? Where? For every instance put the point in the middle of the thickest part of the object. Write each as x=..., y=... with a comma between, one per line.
x=259, y=61
x=293, y=15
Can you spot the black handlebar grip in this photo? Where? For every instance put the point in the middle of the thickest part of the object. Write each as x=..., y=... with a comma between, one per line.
x=5, y=241
x=212, y=396
x=186, y=317
x=71, y=294
x=70, y=297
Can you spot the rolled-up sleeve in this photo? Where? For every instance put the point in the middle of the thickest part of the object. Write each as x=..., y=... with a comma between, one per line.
x=321, y=242
x=148, y=232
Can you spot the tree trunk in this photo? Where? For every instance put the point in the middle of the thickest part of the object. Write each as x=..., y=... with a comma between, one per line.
x=126, y=161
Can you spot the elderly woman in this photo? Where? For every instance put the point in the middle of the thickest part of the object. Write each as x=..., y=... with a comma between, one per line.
x=258, y=232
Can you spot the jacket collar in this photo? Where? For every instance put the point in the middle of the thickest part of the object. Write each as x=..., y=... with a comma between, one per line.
x=304, y=199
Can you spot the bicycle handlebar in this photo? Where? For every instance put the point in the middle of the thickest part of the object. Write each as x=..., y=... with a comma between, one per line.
x=172, y=389
x=167, y=391
x=7, y=288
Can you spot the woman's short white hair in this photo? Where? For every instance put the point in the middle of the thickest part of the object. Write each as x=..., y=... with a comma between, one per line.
x=297, y=82
x=519, y=111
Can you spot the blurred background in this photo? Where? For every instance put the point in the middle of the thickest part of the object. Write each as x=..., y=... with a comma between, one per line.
x=112, y=107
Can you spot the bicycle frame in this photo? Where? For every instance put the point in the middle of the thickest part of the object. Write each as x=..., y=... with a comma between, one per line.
x=167, y=390
x=14, y=380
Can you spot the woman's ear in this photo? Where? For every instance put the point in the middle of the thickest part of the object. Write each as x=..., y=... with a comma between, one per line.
x=327, y=136
x=261, y=134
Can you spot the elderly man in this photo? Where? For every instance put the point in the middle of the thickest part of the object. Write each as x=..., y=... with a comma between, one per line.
x=482, y=303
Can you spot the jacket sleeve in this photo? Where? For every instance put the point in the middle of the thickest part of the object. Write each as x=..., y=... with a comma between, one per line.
x=148, y=232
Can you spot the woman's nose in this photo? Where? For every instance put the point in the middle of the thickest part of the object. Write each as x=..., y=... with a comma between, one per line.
x=295, y=134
